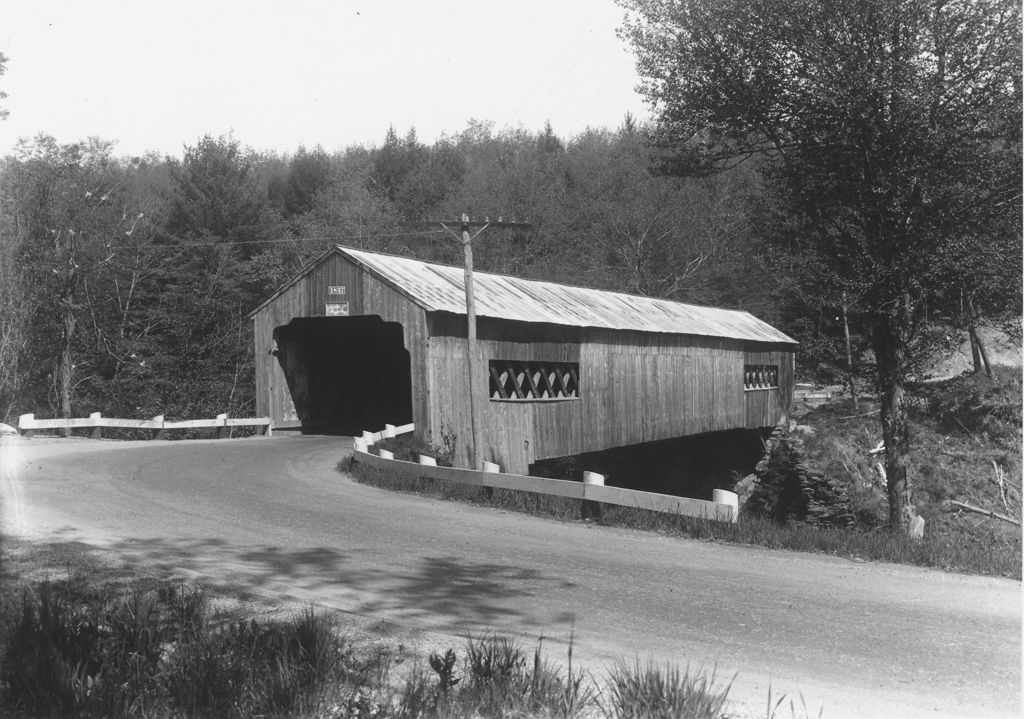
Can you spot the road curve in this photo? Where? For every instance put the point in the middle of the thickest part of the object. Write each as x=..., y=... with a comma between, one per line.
x=275, y=518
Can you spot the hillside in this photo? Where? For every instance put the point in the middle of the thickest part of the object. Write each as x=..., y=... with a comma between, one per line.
x=966, y=439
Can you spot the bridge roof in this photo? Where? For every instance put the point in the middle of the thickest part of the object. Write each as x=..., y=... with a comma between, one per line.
x=441, y=288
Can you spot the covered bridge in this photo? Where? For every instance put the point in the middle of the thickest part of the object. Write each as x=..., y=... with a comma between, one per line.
x=360, y=339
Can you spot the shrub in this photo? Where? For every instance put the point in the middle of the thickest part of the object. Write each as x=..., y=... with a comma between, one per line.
x=645, y=691
x=74, y=652
x=974, y=402
x=407, y=448
x=499, y=681
x=787, y=490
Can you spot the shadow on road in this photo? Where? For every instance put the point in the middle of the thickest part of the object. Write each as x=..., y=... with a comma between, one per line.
x=460, y=589
x=450, y=593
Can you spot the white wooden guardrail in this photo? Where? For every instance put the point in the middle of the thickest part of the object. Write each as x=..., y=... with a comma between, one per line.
x=28, y=424
x=592, y=489
x=370, y=438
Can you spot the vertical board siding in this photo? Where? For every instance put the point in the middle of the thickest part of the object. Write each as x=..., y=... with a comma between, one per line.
x=516, y=433
x=634, y=387
x=765, y=408
x=557, y=427
x=652, y=387
x=508, y=435
x=261, y=346
x=305, y=298
x=308, y=297
x=450, y=397
x=390, y=305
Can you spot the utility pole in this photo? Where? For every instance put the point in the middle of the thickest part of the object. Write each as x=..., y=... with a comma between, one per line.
x=476, y=392
x=475, y=420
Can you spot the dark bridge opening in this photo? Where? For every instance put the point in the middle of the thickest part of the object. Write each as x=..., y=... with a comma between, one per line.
x=692, y=466
x=344, y=374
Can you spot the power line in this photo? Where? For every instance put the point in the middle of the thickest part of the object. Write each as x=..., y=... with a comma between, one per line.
x=551, y=83
x=331, y=238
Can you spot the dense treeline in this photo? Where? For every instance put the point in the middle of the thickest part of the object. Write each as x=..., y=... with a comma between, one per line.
x=126, y=282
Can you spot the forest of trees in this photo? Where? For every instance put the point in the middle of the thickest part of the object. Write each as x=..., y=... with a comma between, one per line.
x=126, y=281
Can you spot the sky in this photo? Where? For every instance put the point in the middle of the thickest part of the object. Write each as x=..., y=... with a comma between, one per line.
x=157, y=76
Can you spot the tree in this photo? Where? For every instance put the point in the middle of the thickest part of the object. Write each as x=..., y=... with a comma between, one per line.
x=893, y=133
x=631, y=219
x=519, y=176
x=678, y=238
x=71, y=218
x=394, y=161
x=351, y=209
x=414, y=177
x=308, y=172
x=220, y=226
x=219, y=195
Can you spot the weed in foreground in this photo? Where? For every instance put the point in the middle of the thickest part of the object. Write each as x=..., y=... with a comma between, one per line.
x=646, y=691
x=79, y=652
x=772, y=711
x=500, y=681
x=161, y=652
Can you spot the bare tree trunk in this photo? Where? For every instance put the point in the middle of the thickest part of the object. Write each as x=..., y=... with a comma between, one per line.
x=66, y=366
x=975, y=355
x=849, y=356
x=890, y=338
x=66, y=369
x=978, y=353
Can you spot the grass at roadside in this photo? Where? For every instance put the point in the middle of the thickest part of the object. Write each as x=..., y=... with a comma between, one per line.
x=877, y=544
x=73, y=647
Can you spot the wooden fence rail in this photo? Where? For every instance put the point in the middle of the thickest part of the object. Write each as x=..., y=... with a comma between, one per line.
x=28, y=424
x=558, y=487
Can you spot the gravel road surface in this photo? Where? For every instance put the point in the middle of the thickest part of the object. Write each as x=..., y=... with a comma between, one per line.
x=274, y=517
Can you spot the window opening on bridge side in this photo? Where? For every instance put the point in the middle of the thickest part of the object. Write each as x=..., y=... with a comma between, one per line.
x=533, y=380
x=760, y=376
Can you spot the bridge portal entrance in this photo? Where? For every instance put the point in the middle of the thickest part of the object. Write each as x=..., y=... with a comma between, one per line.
x=344, y=374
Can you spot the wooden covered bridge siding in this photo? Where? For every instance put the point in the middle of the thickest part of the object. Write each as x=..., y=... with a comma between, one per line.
x=628, y=385
x=308, y=297
x=634, y=387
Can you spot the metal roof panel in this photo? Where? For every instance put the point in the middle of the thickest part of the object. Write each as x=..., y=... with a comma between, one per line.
x=441, y=288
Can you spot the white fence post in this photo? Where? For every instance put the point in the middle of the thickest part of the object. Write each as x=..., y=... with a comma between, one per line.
x=359, y=445
x=590, y=509
x=727, y=499
x=428, y=461
x=25, y=423
x=97, y=431
x=389, y=431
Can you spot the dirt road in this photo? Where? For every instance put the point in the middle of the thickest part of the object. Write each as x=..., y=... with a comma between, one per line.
x=274, y=518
